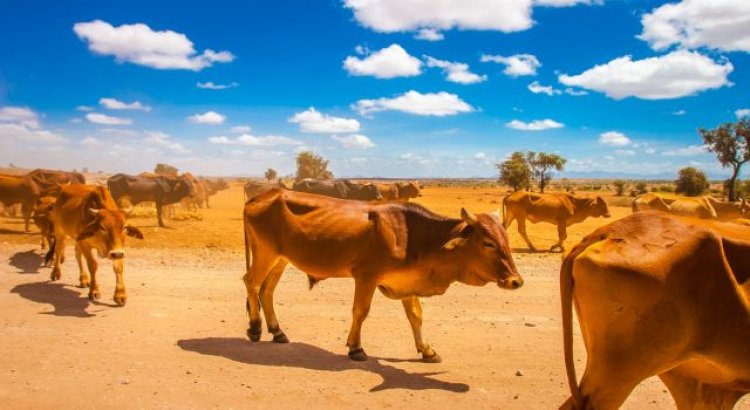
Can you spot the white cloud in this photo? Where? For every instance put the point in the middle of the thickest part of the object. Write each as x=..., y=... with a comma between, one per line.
x=614, y=138
x=354, y=141
x=390, y=62
x=677, y=74
x=537, y=88
x=689, y=151
x=536, y=125
x=241, y=129
x=412, y=102
x=741, y=113
x=716, y=24
x=22, y=124
x=114, y=104
x=650, y=151
x=407, y=15
x=515, y=65
x=480, y=155
x=139, y=44
x=209, y=85
x=104, y=119
x=250, y=140
x=575, y=93
x=429, y=34
x=625, y=152
x=84, y=108
x=456, y=72
x=209, y=117
x=91, y=141
x=679, y=112
x=315, y=122
x=162, y=139
x=20, y=115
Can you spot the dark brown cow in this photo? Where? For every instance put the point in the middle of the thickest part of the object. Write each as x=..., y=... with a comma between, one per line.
x=42, y=209
x=48, y=179
x=89, y=215
x=19, y=190
x=255, y=188
x=338, y=188
x=660, y=295
x=163, y=190
x=403, y=250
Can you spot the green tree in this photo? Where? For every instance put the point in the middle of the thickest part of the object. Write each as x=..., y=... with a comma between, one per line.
x=310, y=165
x=270, y=174
x=691, y=182
x=515, y=171
x=542, y=164
x=731, y=144
x=620, y=187
x=165, y=169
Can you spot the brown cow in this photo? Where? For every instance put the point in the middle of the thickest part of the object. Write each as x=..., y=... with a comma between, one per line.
x=696, y=207
x=398, y=191
x=48, y=179
x=89, y=215
x=42, y=209
x=255, y=188
x=726, y=211
x=19, y=190
x=561, y=209
x=660, y=295
x=197, y=196
x=403, y=250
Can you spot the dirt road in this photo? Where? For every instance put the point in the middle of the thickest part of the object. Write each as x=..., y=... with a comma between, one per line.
x=180, y=341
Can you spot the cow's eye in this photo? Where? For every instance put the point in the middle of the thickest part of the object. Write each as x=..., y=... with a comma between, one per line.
x=489, y=245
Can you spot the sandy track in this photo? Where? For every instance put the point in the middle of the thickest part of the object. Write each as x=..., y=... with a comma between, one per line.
x=180, y=341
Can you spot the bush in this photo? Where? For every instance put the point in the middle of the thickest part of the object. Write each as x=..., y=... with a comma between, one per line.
x=620, y=187
x=691, y=182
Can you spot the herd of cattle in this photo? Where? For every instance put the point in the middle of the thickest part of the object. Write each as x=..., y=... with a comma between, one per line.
x=664, y=291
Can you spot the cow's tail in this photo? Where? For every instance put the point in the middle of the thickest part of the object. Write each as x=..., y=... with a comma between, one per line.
x=566, y=299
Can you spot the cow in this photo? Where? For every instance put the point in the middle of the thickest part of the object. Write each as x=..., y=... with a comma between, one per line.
x=399, y=191
x=19, y=190
x=89, y=215
x=161, y=189
x=658, y=294
x=696, y=207
x=48, y=179
x=403, y=250
x=726, y=211
x=198, y=196
x=338, y=188
x=212, y=187
x=42, y=208
x=561, y=209
x=255, y=188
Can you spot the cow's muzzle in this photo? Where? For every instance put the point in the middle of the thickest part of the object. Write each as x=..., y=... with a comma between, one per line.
x=511, y=283
x=116, y=255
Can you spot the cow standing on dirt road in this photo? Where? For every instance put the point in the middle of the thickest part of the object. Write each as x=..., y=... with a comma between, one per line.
x=403, y=250
x=161, y=189
x=19, y=190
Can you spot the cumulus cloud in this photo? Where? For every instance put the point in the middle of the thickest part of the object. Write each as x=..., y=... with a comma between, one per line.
x=104, y=119
x=114, y=104
x=390, y=62
x=412, y=102
x=688, y=151
x=162, y=139
x=575, y=93
x=241, y=129
x=516, y=65
x=537, y=88
x=251, y=140
x=354, y=141
x=209, y=117
x=614, y=138
x=742, y=113
x=625, y=152
x=716, y=24
x=429, y=34
x=536, y=125
x=313, y=121
x=139, y=44
x=209, y=85
x=677, y=74
x=456, y=72
x=22, y=124
x=20, y=115
x=408, y=15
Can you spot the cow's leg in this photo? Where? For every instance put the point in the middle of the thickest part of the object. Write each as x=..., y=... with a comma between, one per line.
x=120, y=296
x=562, y=234
x=690, y=394
x=363, y=291
x=159, y=210
x=413, y=309
x=521, y=220
x=83, y=277
x=262, y=264
x=26, y=209
x=58, y=255
x=266, y=301
x=92, y=265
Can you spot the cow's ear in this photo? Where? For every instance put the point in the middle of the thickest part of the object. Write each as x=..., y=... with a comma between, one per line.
x=455, y=243
x=133, y=231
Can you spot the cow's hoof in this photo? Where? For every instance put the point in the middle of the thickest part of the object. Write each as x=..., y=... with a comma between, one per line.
x=120, y=300
x=358, y=354
x=94, y=295
x=435, y=358
x=55, y=275
x=280, y=338
x=253, y=334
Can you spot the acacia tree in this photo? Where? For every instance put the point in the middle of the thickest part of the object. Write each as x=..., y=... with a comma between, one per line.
x=731, y=143
x=270, y=174
x=515, y=171
x=542, y=164
x=691, y=182
x=165, y=169
x=310, y=165
x=620, y=187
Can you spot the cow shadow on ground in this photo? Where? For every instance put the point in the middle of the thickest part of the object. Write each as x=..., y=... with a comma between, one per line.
x=65, y=301
x=12, y=232
x=302, y=355
x=27, y=261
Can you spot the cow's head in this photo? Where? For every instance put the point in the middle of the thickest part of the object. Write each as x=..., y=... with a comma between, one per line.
x=408, y=190
x=598, y=207
x=107, y=231
x=182, y=188
x=483, y=245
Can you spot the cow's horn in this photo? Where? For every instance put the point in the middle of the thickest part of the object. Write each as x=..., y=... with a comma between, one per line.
x=94, y=211
x=468, y=217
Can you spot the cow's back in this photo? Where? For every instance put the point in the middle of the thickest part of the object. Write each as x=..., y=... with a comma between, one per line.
x=17, y=189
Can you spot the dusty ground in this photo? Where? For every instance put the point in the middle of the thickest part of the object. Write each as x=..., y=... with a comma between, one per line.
x=180, y=341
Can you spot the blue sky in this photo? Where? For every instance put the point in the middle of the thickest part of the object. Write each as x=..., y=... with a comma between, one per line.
x=394, y=88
